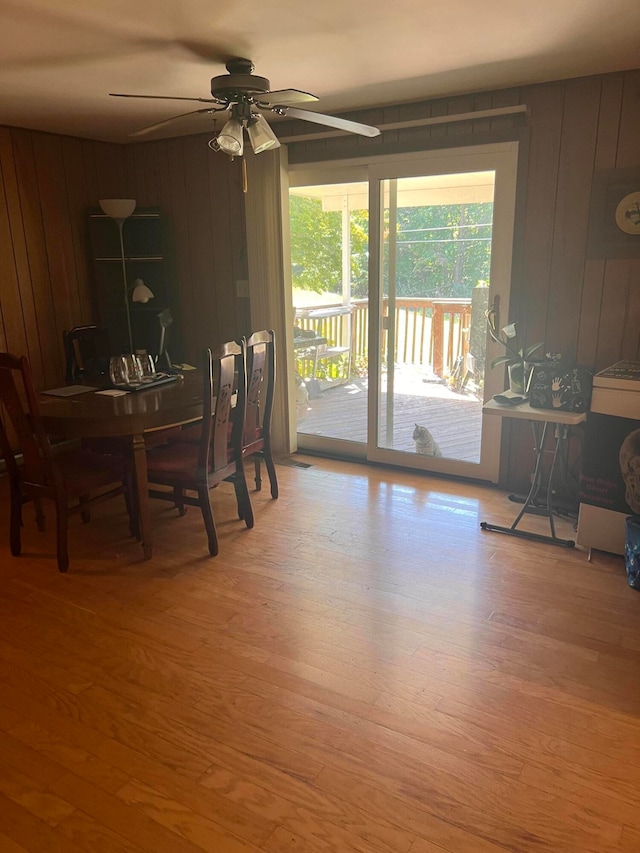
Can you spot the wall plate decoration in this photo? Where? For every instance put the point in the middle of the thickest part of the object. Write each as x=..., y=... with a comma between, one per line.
x=628, y=214
x=614, y=214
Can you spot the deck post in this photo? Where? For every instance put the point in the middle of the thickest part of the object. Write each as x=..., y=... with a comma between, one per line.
x=437, y=330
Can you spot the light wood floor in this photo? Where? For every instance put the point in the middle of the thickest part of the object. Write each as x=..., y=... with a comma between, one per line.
x=366, y=670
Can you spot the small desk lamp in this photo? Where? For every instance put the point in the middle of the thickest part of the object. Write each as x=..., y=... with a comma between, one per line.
x=120, y=209
x=165, y=319
x=141, y=293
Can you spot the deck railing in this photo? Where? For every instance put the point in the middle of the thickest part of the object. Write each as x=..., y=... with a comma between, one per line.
x=428, y=332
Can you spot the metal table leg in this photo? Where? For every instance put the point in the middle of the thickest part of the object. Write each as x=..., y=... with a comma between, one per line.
x=530, y=505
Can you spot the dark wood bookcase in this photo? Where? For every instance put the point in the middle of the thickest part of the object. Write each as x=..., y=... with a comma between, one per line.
x=147, y=257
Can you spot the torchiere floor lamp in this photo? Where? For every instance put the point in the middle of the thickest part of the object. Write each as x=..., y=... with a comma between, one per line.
x=120, y=209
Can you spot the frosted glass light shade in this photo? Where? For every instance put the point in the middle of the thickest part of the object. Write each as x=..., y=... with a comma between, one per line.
x=230, y=138
x=118, y=208
x=261, y=136
x=141, y=293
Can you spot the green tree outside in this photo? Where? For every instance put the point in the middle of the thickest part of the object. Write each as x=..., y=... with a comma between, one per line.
x=442, y=250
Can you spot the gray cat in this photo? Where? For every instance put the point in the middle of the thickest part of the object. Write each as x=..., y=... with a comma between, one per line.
x=425, y=442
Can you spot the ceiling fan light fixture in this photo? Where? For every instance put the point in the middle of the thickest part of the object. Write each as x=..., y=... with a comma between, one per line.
x=261, y=135
x=230, y=139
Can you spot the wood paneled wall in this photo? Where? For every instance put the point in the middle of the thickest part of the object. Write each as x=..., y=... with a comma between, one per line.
x=47, y=185
x=200, y=191
x=588, y=309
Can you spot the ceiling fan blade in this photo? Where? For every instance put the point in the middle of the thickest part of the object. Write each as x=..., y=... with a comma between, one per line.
x=208, y=51
x=329, y=121
x=142, y=131
x=286, y=96
x=169, y=98
x=53, y=60
x=103, y=34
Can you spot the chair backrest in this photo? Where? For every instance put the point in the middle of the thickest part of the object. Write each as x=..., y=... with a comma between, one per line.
x=224, y=398
x=261, y=378
x=21, y=407
x=86, y=351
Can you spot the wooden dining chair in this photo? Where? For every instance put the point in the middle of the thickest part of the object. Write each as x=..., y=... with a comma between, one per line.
x=72, y=479
x=217, y=456
x=261, y=378
x=87, y=351
x=256, y=433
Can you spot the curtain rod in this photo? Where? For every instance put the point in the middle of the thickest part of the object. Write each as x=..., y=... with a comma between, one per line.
x=418, y=122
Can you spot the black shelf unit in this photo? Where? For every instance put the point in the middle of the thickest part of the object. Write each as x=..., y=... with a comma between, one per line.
x=146, y=251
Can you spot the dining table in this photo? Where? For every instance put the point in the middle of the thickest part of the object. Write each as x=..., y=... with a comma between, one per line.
x=131, y=416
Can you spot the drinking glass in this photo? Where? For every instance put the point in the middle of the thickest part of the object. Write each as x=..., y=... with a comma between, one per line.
x=134, y=370
x=118, y=372
x=148, y=366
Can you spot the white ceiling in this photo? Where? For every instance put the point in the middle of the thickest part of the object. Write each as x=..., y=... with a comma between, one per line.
x=59, y=59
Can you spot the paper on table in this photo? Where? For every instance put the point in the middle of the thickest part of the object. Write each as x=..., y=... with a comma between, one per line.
x=69, y=390
x=112, y=392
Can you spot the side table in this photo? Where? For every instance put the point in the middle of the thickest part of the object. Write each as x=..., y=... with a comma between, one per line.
x=541, y=421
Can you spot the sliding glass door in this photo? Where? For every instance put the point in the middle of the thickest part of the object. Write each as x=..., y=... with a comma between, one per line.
x=329, y=225
x=393, y=275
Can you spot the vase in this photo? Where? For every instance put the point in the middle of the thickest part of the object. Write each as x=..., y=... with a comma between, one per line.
x=516, y=378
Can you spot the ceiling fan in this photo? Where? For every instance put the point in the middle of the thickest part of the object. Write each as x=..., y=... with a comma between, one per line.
x=246, y=95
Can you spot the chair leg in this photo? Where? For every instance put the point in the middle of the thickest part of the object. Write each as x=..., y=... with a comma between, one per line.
x=61, y=536
x=245, y=510
x=209, y=523
x=258, y=477
x=85, y=513
x=132, y=506
x=39, y=514
x=271, y=471
x=16, y=524
x=178, y=499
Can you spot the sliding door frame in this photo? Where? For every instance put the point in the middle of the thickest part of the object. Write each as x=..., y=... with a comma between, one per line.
x=501, y=156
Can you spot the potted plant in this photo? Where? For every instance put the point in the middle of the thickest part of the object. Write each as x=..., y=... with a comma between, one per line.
x=519, y=360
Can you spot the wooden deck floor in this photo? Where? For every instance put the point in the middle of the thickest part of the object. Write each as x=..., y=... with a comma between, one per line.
x=453, y=419
x=365, y=671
